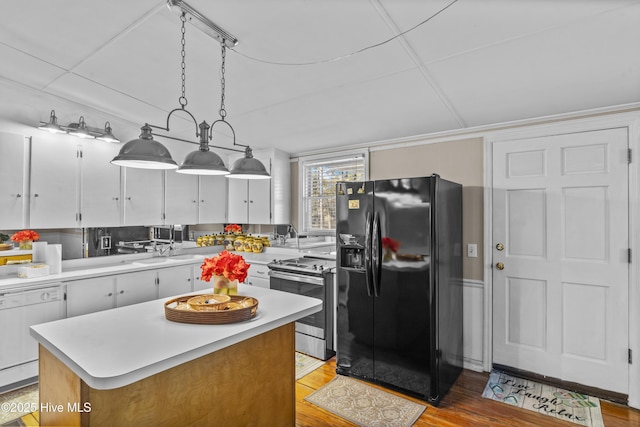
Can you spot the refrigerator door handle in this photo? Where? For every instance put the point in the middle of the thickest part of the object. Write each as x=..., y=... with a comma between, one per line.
x=367, y=254
x=376, y=255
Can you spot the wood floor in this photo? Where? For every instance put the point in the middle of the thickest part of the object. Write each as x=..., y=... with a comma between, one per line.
x=462, y=406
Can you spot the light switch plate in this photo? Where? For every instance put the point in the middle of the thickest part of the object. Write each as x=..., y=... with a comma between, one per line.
x=472, y=250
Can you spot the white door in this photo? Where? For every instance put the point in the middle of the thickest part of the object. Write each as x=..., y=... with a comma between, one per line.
x=560, y=214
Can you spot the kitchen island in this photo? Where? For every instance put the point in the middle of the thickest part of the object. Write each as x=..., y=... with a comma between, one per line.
x=131, y=365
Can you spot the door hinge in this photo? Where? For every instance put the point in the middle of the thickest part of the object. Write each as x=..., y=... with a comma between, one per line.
x=629, y=255
x=629, y=356
x=629, y=155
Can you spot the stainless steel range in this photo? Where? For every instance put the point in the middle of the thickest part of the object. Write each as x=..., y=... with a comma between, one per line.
x=313, y=277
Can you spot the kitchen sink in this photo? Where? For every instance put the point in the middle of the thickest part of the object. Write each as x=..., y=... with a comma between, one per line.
x=187, y=257
x=159, y=260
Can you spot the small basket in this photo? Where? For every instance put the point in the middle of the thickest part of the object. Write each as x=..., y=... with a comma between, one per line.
x=237, y=309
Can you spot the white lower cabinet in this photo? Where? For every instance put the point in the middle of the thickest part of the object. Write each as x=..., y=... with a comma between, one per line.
x=258, y=275
x=175, y=281
x=102, y=293
x=132, y=288
x=198, y=284
x=90, y=295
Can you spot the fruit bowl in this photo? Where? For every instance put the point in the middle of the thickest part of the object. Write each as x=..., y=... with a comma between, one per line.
x=207, y=302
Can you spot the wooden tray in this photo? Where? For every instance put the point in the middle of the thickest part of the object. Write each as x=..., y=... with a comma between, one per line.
x=6, y=246
x=178, y=310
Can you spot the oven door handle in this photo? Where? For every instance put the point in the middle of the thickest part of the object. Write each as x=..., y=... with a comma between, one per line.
x=319, y=281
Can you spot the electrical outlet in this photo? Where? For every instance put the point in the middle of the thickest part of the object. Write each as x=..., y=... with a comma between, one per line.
x=472, y=250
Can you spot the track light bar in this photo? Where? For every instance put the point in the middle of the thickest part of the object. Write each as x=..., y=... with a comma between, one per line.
x=79, y=129
x=201, y=22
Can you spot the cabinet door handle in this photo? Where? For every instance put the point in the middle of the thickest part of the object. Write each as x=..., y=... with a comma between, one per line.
x=116, y=198
x=129, y=198
x=195, y=201
x=110, y=294
x=201, y=201
x=18, y=195
x=250, y=201
x=36, y=195
x=122, y=292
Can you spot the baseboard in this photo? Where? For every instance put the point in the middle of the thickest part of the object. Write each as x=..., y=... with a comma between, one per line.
x=473, y=365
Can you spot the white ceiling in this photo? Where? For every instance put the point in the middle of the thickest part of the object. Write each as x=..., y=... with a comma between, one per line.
x=478, y=62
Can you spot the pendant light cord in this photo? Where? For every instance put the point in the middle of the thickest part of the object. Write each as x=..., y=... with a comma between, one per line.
x=349, y=55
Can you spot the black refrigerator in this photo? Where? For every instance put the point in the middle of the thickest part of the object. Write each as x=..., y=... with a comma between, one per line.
x=399, y=277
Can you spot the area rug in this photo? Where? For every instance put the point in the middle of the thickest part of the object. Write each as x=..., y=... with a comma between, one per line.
x=306, y=364
x=364, y=405
x=544, y=399
x=17, y=403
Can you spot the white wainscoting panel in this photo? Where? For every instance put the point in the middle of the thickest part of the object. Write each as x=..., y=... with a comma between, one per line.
x=473, y=324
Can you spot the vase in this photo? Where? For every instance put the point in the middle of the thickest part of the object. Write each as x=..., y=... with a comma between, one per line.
x=26, y=244
x=222, y=285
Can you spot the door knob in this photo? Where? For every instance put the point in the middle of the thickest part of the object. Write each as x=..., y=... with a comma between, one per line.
x=500, y=266
x=500, y=247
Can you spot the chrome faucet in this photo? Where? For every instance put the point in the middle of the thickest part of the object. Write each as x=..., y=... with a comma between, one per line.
x=163, y=249
x=169, y=247
x=291, y=227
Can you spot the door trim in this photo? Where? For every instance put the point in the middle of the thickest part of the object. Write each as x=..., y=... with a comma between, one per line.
x=631, y=121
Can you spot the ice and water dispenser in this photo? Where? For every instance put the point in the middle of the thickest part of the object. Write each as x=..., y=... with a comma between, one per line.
x=352, y=251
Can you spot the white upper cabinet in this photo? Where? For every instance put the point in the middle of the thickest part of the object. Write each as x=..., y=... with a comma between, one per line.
x=181, y=190
x=261, y=201
x=212, y=200
x=53, y=199
x=143, y=200
x=14, y=151
x=181, y=198
x=100, y=198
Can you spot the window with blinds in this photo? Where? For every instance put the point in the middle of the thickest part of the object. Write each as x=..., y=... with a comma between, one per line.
x=319, y=178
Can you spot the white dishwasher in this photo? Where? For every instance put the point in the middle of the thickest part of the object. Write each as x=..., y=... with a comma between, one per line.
x=19, y=309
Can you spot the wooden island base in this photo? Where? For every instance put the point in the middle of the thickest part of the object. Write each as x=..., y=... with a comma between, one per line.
x=251, y=383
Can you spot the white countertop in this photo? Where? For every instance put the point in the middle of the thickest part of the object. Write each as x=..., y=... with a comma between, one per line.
x=108, y=265
x=114, y=348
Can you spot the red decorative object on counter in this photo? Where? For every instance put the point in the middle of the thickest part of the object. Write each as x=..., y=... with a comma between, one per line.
x=227, y=264
x=25, y=235
x=233, y=228
x=25, y=238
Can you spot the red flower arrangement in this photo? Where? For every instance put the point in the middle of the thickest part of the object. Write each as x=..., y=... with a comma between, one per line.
x=390, y=244
x=25, y=235
x=233, y=228
x=226, y=264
